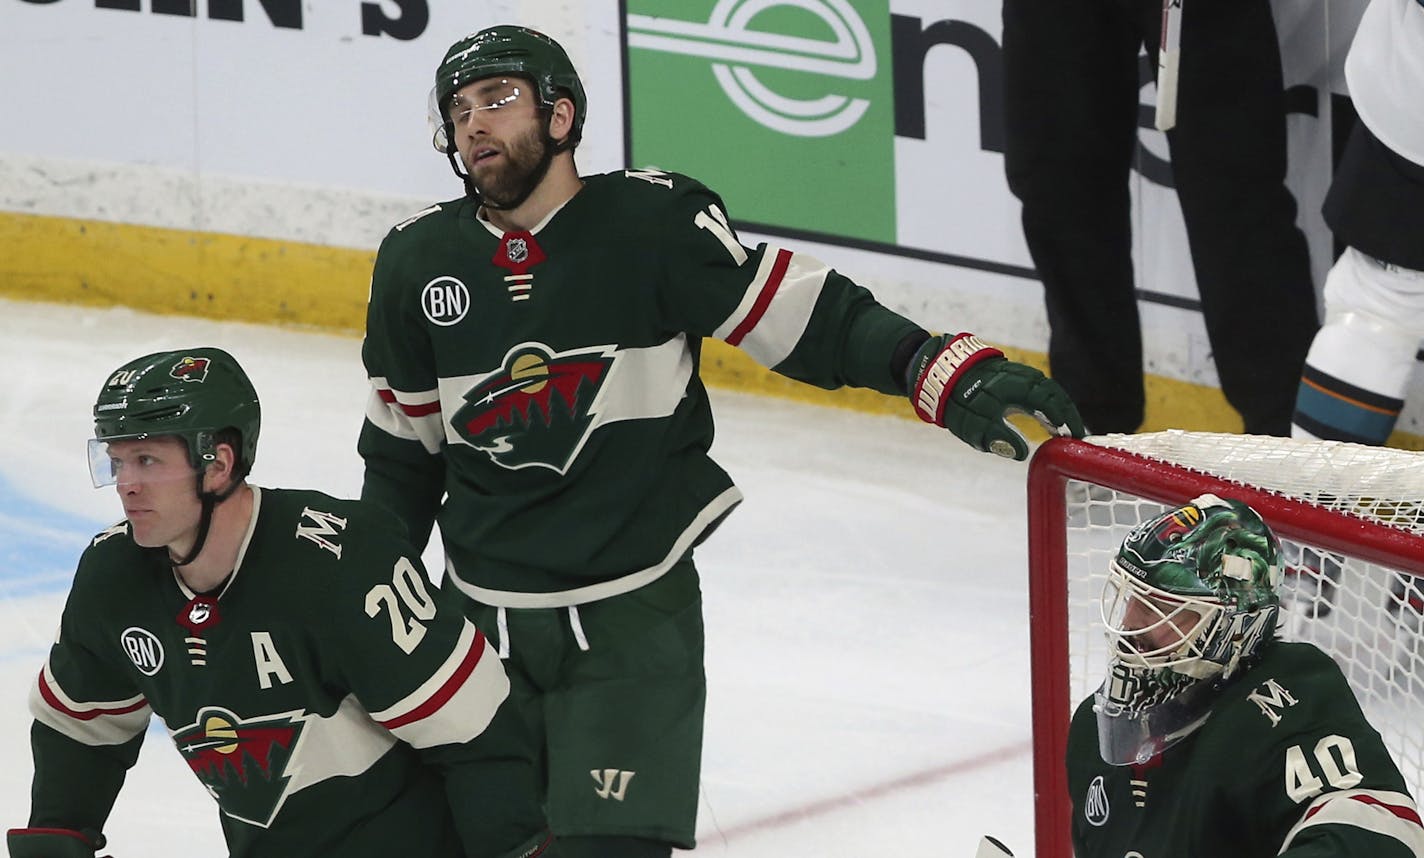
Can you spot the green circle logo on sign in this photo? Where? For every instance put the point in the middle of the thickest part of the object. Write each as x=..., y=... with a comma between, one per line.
x=737, y=49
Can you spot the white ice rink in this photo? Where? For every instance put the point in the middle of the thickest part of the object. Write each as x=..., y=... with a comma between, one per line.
x=867, y=614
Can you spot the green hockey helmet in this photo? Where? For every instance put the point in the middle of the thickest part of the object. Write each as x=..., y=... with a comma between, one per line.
x=1195, y=589
x=1191, y=597
x=506, y=50
x=193, y=394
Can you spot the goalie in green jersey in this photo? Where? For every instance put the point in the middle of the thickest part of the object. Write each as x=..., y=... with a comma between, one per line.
x=289, y=641
x=1212, y=737
x=533, y=350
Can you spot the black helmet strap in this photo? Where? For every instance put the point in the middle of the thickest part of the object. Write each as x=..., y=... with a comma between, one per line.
x=210, y=500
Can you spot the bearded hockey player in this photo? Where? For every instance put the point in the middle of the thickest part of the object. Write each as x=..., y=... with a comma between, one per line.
x=533, y=347
x=1212, y=737
x=290, y=642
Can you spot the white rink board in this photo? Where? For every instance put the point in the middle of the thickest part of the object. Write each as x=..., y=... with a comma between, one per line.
x=319, y=135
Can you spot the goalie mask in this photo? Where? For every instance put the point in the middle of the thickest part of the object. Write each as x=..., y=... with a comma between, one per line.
x=192, y=394
x=1191, y=597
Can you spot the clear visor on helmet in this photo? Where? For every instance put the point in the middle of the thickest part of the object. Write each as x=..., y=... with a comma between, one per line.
x=144, y=459
x=1152, y=628
x=489, y=94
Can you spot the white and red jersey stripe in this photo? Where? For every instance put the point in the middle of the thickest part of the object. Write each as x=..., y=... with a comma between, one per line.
x=776, y=307
x=1392, y=814
x=456, y=702
x=411, y=415
x=89, y=722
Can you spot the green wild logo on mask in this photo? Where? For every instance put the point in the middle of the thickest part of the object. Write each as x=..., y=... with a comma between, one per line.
x=784, y=107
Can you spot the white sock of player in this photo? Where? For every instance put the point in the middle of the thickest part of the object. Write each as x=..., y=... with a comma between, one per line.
x=1358, y=369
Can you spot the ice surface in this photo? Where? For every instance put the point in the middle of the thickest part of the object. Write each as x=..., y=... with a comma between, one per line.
x=866, y=607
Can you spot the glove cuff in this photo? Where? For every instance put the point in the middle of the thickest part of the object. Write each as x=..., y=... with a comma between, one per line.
x=60, y=842
x=938, y=367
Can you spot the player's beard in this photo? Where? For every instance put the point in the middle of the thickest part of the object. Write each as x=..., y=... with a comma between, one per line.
x=507, y=183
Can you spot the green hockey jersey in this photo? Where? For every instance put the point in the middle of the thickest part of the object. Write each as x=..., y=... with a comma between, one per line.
x=1285, y=764
x=545, y=383
x=323, y=698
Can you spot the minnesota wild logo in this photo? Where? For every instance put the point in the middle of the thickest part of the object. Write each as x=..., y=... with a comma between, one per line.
x=1176, y=524
x=538, y=408
x=190, y=369
x=242, y=762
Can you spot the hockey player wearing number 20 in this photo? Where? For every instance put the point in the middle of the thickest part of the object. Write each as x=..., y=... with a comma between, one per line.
x=289, y=641
x=533, y=348
x=1212, y=737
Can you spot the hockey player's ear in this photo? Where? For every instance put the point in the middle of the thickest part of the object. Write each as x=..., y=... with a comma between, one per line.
x=220, y=473
x=561, y=120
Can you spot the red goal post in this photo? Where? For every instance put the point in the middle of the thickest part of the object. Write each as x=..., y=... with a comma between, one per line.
x=1351, y=521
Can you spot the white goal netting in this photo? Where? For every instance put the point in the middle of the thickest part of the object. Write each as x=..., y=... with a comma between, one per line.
x=1339, y=593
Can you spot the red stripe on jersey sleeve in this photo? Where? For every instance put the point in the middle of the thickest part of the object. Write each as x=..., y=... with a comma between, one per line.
x=421, y=410
x=58, y=705
x=388, y=397
x=763, y=300
x=446, y=691
x=1408, y=814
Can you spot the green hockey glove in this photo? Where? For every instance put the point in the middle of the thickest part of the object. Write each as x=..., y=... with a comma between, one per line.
x=53, y=843
x=967, y=386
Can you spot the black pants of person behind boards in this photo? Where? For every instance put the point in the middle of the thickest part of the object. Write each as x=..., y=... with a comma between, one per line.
x=1071, y=111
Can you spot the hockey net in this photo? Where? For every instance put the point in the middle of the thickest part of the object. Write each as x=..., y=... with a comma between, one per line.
x=1351, y=523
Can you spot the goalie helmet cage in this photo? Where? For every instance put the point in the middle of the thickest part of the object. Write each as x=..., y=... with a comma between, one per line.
x=1351, y=523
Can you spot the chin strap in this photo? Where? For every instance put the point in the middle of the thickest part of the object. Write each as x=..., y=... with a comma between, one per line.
x=210, y=501
x=453, y=156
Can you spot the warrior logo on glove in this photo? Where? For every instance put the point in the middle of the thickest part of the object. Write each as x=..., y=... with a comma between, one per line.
x=970, y=388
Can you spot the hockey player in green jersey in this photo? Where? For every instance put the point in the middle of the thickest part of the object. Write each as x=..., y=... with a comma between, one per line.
x=533, y=349
x=1211, y=737
x=290, y=643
